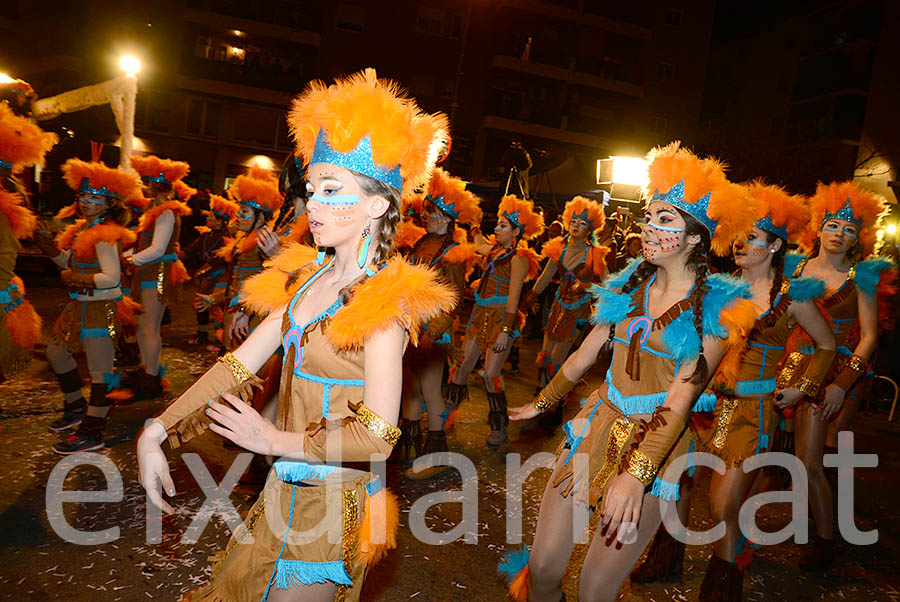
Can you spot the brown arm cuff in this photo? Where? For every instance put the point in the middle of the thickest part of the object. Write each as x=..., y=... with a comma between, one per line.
x=186, y=417
x=555, y=390
x=816, y=370
x=652, y=443
x=78, y=280
x=851, y=372
x=509, y=318
x=361, y=436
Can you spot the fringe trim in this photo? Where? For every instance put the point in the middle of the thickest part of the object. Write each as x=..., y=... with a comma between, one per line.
x=665, y=490
x=294, y=472
x=294, y=573
x=197, y=421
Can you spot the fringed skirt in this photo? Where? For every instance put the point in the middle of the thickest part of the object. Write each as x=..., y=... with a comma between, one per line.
x=165, y=276
x=740, y=427
x=592, y=452
x=298, y=534
x=566, y=319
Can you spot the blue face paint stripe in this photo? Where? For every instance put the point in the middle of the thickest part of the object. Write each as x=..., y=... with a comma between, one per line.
x=336, y=199
x=845, y=230
x=662, y=228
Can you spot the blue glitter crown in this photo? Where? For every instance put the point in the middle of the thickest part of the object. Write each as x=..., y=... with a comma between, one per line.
x=767, y=225
x=86, y=188
x=697, y=210
x=359, y=160
x=583, y=216
x=513, y=218
x=845, y=213
x=448, y=208
x=160, y=178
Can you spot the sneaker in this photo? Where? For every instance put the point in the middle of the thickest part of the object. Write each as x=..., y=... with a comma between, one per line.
x=79, y=443
x=69, y=419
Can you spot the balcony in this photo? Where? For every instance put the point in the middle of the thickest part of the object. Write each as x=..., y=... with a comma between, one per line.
x=301, y=34
x=621, y=21
x=536, y=130
x=569, y=75
x=285, y=15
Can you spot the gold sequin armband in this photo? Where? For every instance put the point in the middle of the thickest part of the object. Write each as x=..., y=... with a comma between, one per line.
x=238, y=370
x=850, y=373
x=377, y=424
x=558, y=387
x=786, y=374
x=808, y=386
x=641, y=467
x=816, y=370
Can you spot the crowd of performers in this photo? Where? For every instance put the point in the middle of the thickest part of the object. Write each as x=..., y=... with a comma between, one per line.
x=337, y=295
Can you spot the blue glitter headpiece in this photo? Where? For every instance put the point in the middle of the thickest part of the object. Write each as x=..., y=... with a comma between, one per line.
x=767, y=225
x=845, y=213
x=86, y=188
x=513, y=218
x=697, y=210
x=582, y=216
x=359, y=160
x=160, y=178
x=448, y=208
x=6, y=164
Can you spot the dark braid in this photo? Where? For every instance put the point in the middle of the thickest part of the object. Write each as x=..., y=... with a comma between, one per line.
x=699, y=261
x=640, y=275
x=778, y=265
x=388, y=225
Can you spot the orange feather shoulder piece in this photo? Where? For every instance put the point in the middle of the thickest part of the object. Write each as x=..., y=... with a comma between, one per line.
x=553, y=248
x=463, y=253
x=20, y=218
x=284, y=274
x=534, y=260
x=85, y=242
x=407, y=235
x=598, y=255
x=401, y=293
x=151, y=215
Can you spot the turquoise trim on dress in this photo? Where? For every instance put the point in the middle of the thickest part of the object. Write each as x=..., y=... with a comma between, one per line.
x=665, y=490
x=297, y=471
x=746, y=388
x=294, y=573
x=573, y=441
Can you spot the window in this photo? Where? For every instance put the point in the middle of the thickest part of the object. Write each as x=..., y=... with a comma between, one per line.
x=674, y=16
x=153, y=110
x=777, y=127
x=665, y=71
x=659, y=125
x=203, y=118
x=429, y=21
x=350, y=17
x=256, y=125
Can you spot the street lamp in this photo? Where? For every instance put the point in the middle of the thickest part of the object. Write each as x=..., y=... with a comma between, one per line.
x=131, y=65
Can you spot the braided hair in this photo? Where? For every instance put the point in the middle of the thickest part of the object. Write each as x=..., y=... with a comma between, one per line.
x=778, y=266
x=698, y=260
x=391, y=218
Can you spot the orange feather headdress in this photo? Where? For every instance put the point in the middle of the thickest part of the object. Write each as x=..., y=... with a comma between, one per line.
x=257, y=189
x=22, y=144
x=222, y=207
x=156, y=169
x=521, y=215
x=699, y=187
x=783, y=214
x=182, y=191
x=370, y=126
x=846, y=201
x=449, y=194
x=97, y=178
x=587, y=209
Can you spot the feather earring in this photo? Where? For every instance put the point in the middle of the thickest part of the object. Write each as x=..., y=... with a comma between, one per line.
x=365, y=240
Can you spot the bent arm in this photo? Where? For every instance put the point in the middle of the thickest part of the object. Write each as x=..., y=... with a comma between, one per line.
x=163, y=228
x=110, y=266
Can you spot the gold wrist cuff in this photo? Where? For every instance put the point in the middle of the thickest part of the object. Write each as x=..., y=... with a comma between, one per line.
x=543, y=404
x=641, y=467
x=857, y=364
x=808, y=386
x=238, y=370
x=786, y=375
x=377, y=424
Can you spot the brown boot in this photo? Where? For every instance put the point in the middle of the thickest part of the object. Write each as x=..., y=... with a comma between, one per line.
x=456, y=394
x=663, y=562
x=409, y=445
x=819, y=555
x=723, y=582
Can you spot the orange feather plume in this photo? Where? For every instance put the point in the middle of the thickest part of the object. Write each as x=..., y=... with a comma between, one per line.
x=553, y=248
x=411, y=206
x=151, y=166
x=151, y=215
x=118, y=181
x=223, y=206
x=534, y=260
x=138, y=201
x=531, y=221
x=274, y=287
x=729, y=204
x=453, y=190
x=830, y=198
x=362, y=105
x=257, y=185
x=578, y=205
x=786, y=210
x=378, y=528
x=24, y=324
x=84, y=244
x=21, y=142
x=407, y=235
x=183, y=191
x=21, y=219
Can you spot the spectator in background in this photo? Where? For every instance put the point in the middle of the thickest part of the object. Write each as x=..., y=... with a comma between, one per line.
x=630, y=250
x=606, y=238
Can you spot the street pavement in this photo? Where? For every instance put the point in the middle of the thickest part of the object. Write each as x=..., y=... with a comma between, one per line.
x=37, y=564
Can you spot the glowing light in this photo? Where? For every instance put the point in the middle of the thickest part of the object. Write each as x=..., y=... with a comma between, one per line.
x=631, y=171
x=891, y=229
x=238, y=33
x=261, y=161
x=131, y=65
x=237, y=52
x=5, y=79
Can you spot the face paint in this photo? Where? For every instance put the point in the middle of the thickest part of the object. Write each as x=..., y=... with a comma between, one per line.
x=848, y=231
x=92, y=200
x=755, y=248
x=668, y=240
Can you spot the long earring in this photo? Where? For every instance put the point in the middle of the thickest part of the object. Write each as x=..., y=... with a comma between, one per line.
x=320, y=256
x=365, y=239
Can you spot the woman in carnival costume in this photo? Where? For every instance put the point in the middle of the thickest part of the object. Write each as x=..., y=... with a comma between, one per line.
x=202, y=257
x=344, y=323
x=666, y=322
x=90, y=254
x=577, y=262
x=22, y=144
x=495, y=321
x=841, y=238
x=256, y=193
x=159, y=272
x=445, y=248
x=743, y=421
